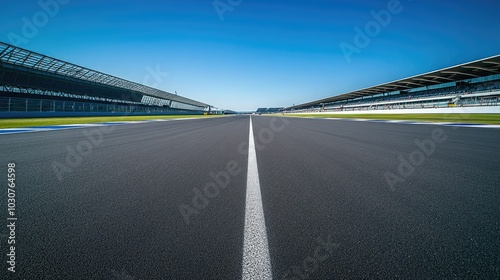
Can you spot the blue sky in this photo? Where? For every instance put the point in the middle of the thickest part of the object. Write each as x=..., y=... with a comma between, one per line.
x=245, y=54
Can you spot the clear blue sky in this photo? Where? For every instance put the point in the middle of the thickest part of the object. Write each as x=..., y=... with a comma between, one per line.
x=256, y=53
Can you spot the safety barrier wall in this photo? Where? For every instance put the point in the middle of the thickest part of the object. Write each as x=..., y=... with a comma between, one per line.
x=455, y=110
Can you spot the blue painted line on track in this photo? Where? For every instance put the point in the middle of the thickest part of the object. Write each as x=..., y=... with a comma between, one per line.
x=414, y=123
x=466, y=124
x=50, y=127
x=9, y=131
x=115, y=123
x=61, y=127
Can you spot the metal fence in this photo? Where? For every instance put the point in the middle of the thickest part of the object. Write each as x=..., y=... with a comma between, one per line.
x=15, y=104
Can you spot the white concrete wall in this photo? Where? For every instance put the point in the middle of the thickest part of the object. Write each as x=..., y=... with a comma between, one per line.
x=456, y=110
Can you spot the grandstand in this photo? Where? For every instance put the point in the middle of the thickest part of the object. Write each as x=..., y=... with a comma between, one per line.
x=32, y=84
x=268, y=110
x=471, y=84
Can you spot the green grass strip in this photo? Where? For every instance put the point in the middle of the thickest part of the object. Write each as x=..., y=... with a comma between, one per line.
x=27, y=122
x=459, y=118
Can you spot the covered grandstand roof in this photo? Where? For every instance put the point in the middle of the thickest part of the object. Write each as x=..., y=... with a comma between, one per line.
x=11, y=56
x=268, y=110
x=479, y=68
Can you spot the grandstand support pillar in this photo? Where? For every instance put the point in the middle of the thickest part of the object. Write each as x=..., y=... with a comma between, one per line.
x=40, y=105
x=9, y=106
x=64, y=106
x=26, y=104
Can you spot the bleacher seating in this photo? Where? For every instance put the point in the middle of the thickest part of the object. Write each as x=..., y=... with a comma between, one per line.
x=462, y=94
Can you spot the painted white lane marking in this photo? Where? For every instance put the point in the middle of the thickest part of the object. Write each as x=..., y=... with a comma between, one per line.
x=415, y=122
x=256, y=260
x=72, y=126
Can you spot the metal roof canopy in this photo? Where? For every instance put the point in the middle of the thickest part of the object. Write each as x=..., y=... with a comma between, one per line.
x=476, y=69
x=32, y=60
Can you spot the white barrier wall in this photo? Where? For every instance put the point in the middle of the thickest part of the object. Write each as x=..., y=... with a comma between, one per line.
x=455, y=110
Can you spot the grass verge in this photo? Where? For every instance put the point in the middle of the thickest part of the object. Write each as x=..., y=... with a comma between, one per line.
x=27, y=122
x=459, y=118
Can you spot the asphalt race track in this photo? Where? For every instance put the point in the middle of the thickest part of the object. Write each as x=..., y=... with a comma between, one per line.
x=341, y=200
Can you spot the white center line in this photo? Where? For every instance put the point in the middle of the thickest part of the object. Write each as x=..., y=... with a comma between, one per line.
x=256, y=260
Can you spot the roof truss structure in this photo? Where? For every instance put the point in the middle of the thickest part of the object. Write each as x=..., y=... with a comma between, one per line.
x=479, y=68
x=20, y=57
